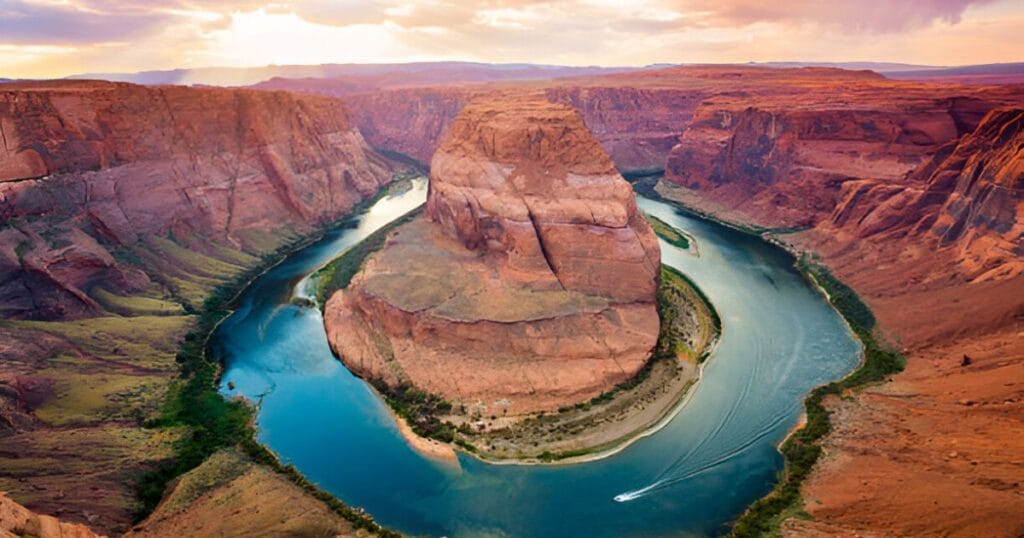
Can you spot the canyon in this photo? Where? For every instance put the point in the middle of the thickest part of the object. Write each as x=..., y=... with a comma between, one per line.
x=909, y=191
x=123, y=206
x=529, y=283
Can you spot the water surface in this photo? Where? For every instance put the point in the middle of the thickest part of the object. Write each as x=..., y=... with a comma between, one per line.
x=780, y=339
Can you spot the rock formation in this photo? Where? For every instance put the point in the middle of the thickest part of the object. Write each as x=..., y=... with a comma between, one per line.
x=87, y=167
x=16, y=520
x=121, y=207
x=530, y=282
x=966, y=198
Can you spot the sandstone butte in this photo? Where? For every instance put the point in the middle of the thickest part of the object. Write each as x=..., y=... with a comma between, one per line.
x=530, y=282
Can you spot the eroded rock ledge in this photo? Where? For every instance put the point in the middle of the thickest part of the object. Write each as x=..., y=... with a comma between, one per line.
x=530, y=282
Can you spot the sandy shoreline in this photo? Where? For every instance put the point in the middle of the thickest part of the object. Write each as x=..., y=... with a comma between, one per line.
x=624, y=443
x=428, y=447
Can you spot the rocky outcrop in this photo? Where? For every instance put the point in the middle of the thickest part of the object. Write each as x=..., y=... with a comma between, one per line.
x=964, y=201
x=88, y=167
x=16, y=520
x=529, y=182
x=785, y=160
x=529, y=283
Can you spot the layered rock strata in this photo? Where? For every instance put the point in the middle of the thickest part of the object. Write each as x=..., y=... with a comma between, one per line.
x=87, y=167
x=528, y=284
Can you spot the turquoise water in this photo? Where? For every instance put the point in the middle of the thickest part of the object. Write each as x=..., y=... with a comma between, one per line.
x=780, y=339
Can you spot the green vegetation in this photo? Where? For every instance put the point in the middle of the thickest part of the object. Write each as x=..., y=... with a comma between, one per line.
x=216, y=471
x=134, y=305
x=667, y=232
x=802, y=450
x=676, y=290
x=337, y=274
x=146, y=342
x=419, y=409
x=81, y=398
x=22, y=248
x=842, y=296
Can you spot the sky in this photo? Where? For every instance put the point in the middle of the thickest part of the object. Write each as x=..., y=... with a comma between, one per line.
x=54, y=38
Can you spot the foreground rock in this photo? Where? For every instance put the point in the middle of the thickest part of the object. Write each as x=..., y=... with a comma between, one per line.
x=229, y=495
x=16, y=520
x=530, y=282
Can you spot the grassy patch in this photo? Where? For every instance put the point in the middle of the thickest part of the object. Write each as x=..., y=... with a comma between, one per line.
x=677, y=289
x=84, y=398
x=668, y=233
x=192, y=261
x=143, y=341
x=22, y=248
x=134, y=305
x=802, y=450
x=337, y=274
x=217, y=470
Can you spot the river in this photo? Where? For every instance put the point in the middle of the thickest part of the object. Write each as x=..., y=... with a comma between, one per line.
x=780, y=339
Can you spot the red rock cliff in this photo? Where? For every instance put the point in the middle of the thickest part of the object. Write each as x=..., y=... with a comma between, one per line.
x=529, y=284
x=965, y=200
x=526, y=180
x=784, y=159
x=88, y=166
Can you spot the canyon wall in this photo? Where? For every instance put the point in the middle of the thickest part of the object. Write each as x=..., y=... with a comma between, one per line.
x=912, y=195
x=784, y=160
x=636, y=125
x=530, y=282
x=410, y=121
x=121, y=209
x=939, y=261
x=88, y=167
x=965, y=199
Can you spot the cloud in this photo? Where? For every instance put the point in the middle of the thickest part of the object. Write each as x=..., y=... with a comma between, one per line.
x=100, y=21
x=29, y=22
x=341, y=12
x=54, y=37
x=863, y=16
